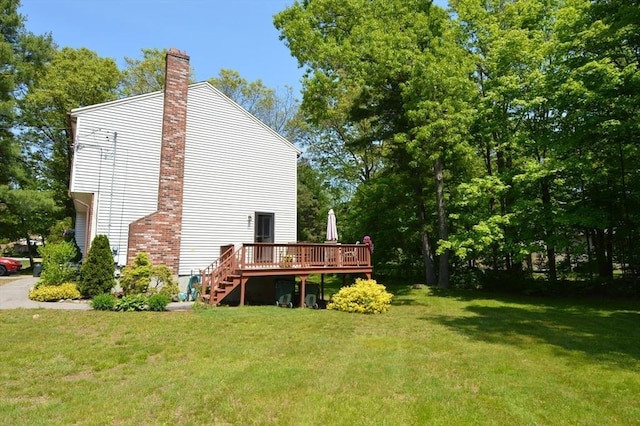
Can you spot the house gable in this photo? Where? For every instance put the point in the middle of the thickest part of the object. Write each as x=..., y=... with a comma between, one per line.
x=234, y=166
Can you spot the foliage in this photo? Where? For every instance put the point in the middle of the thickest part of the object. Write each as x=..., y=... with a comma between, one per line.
x=56, y=264
x=132, y=302
x=163, y=283
x=158, y=302
x=104, y=302
x=52, y=293
x=96, y=275
x=388, y=85
x=365, y=296
x=145, y=75
x=73, y=78
x=135, y=278
x=312, y=202
x=58, y=231
x=22, y=57
x=142, y=277
x=70, y=237
x=24, y=212
x=275, y=109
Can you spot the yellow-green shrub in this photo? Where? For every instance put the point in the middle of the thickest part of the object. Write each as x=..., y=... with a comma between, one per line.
x=52, y=293
x=365, y=296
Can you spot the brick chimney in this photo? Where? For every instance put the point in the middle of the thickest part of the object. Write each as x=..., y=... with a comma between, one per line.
x=159, y=233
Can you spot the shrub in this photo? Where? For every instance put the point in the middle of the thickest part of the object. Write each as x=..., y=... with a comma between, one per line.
x=365, y=296
x=141, y=277
x=158, y=302
x=52, y=293
x=163, y=282
x=96, y=275
x=57, y=231
x=104, y=302
x=132, y=302
x=135, y=278
x=70, y=237
x=56, y=264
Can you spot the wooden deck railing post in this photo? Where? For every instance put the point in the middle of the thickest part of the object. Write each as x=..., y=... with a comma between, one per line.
x=303, y=288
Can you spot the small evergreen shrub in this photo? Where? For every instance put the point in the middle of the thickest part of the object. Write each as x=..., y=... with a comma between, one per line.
x=132, y=302
x=135, y=278
x=158, y=302
x=56, y=264
x=141, y=277
x=52, y=293
x=96, y=275
x=104, y=302
x=364, y=296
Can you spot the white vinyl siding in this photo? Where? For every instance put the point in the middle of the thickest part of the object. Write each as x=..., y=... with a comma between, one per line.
x=124, y=174
x=81, y=225
x=234, y=166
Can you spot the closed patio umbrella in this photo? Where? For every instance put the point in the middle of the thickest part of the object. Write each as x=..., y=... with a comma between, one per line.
x=332, y=228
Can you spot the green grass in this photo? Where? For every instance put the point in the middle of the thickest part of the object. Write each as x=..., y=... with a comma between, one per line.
x=435, y=358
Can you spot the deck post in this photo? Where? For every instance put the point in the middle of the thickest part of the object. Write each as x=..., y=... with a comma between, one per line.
x=243, y=282
x=303, y=285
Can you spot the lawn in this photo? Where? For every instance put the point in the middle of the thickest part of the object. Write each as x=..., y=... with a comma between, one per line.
x=435, y=358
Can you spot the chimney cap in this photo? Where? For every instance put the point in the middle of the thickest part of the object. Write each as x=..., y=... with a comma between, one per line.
x=175, y=52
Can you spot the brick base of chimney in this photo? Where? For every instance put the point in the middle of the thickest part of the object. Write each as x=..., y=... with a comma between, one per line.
x=158, y=235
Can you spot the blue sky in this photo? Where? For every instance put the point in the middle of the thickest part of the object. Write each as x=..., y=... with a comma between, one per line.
x=233, y=34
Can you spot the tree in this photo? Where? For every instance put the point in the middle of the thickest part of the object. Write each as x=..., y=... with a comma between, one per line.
x=22, y=55
x=274, y=108
x=392, y=69
x=25, y=212
x=147, y=74
x=598, y=88
x=96, y=274
x=74, y=78
x=312, y=205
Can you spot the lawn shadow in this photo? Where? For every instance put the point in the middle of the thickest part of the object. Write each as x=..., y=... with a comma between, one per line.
x=608, y=336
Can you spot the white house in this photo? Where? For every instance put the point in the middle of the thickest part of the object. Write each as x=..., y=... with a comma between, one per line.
x=179, y=174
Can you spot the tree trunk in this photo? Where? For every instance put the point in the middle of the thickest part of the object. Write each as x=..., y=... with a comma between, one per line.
x=427, y=254
x=548, y=226
x=603, y=260
x=443, y=234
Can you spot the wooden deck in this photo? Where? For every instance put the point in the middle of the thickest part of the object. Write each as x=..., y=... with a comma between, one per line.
x=263, y=259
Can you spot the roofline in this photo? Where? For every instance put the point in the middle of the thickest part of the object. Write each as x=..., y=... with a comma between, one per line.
x=253, y=117
x=74, y=112
x=78, y=111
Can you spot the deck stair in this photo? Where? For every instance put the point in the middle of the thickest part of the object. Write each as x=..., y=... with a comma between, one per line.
x=220, y=278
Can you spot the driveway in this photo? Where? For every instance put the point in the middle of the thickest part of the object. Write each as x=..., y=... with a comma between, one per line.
x=15, y=295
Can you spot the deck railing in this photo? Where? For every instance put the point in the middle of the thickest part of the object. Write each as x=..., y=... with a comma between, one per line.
x=302, y=255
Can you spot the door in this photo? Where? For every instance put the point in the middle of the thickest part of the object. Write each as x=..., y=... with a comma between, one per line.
x=264, y=234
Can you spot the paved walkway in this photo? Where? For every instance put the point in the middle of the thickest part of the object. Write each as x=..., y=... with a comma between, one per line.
x=15, y=295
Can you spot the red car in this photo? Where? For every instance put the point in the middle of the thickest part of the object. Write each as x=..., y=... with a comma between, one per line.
x=9, y=266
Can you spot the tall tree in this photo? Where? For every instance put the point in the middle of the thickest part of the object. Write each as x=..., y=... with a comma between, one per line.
x=514, y=129
x=74, y=78
x=379, y=62
x=22, y=56
x=598, y=93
